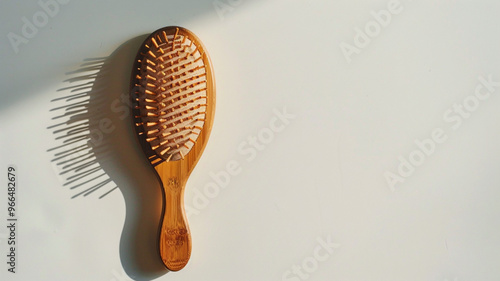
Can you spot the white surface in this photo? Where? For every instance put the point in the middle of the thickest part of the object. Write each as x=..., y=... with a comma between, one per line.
x=321, y=176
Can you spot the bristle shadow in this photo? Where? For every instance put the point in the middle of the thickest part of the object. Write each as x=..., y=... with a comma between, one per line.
x=76, y=107
x=97, y=153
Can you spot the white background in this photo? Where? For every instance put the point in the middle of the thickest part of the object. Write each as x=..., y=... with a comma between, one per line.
x=322, y=176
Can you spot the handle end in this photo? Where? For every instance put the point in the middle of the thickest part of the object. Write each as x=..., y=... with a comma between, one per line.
x=175, y=248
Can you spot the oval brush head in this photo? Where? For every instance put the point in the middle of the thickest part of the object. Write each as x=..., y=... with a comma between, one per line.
x=173, y=95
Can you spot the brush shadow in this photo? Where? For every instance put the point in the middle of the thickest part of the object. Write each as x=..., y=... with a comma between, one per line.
x=98, y=153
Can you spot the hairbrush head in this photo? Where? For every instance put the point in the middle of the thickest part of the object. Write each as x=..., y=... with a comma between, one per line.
x=171, y=77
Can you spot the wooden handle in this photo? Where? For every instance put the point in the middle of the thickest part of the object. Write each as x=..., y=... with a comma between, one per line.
x=175, y=237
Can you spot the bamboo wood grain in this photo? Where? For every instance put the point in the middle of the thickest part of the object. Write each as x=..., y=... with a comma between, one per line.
x=174, y=234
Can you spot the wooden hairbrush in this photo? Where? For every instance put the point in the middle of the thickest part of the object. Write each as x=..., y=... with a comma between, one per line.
x=173, y=96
